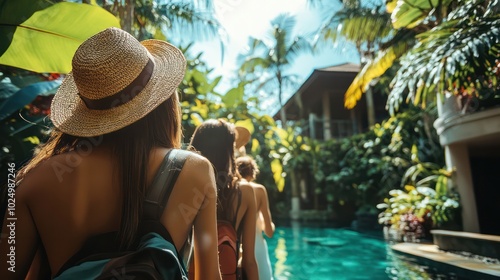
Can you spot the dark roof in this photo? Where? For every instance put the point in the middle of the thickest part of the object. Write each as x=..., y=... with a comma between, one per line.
x=334, y=79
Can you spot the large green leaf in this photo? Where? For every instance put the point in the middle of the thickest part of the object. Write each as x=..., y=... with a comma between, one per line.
x=234, y=96
x=247, y=123
x=45, y=40
x=12, y=14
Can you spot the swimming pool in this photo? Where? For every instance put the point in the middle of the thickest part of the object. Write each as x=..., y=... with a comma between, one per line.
x=328, y=253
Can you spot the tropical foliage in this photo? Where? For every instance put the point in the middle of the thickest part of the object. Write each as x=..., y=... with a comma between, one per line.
x=400, y=153
x=459, y=55
x=268, y=59
x=425, y=202
x=442, y=45
x=42, y=36
x=24, y=104
x=162, y=19
x=420, y=209
x=368, y=26
x=363, y=168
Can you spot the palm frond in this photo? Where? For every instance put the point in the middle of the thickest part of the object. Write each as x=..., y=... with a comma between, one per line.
x=256, y=45
x=357, y=25
x=252, y=63
x=284, y=21
x=375, y=68
x=186, y=18
x=299, y=45
x=254, y=48
x=291, y=81
x=406, y=14
x=460, y=52
x=206, y=4
x=267, y=59
x=268, y=83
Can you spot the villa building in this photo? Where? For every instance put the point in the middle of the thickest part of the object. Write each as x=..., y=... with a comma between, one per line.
x=319, y=103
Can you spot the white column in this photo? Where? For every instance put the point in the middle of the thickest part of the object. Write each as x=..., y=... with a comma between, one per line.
x=370, y=107
x=457, y=157
x=312, y=125
x=327, y=130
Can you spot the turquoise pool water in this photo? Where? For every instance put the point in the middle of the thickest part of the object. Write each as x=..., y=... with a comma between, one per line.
x=328, y=253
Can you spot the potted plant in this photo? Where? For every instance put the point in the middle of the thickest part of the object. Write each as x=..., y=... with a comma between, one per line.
x=410, y=214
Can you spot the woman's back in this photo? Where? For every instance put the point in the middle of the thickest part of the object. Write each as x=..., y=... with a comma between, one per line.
x=116, y=115
x=71, y=203
x=215, y=140
x=248, y=169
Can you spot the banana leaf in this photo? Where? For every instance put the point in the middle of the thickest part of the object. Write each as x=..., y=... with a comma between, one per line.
x=42, y=37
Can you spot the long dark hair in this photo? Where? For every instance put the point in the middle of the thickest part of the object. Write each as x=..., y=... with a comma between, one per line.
x=214, y=139
x=132, y=147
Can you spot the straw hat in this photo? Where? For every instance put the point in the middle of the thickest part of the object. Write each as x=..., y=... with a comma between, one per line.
x=116, y=80
x=242, y=136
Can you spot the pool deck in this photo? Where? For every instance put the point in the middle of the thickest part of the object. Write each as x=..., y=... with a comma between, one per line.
x=462, y=266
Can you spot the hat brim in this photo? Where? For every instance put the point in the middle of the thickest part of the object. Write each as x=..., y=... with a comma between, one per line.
x=71, y=116
x=242, y=136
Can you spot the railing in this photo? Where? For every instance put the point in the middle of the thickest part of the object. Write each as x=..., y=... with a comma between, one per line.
x=341, y=128
x=338, y=129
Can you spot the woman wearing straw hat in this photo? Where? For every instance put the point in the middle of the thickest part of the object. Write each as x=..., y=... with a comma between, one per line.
x=215, y=140
x=116, y=116
x=248, y=169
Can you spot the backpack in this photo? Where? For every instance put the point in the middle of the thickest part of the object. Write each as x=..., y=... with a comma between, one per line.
x=155, y=256
x=229, y=247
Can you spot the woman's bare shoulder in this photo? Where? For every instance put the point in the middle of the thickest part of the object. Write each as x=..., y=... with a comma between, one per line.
x=50, y=172
x=197, y=168
x=196, y=161
x=195, y=158
x=258, y=187
x=247, y=191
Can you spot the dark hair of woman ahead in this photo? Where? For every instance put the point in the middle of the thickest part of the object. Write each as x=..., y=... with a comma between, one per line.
x=215, y=140
x=116, y=116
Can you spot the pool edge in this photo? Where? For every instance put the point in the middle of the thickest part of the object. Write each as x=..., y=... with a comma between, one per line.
x=429, y=254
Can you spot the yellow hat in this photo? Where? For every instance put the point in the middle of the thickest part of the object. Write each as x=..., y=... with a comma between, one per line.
x=242, y=136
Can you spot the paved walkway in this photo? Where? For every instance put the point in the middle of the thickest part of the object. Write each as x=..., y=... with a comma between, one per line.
x=461, y=265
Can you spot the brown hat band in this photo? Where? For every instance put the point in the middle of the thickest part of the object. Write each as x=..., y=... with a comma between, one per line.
x=124, y=95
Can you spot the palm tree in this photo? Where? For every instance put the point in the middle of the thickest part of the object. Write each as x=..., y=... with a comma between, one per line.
x=267, y=60
x=440, y=44
x=146, y=19
x=368, y=27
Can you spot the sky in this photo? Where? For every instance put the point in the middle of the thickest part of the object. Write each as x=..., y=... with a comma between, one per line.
x=244, y=18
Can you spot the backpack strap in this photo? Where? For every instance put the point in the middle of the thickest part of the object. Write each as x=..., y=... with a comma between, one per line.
x=235, y=218
x=239, y=274
x=104, y=246
x=159, y=192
